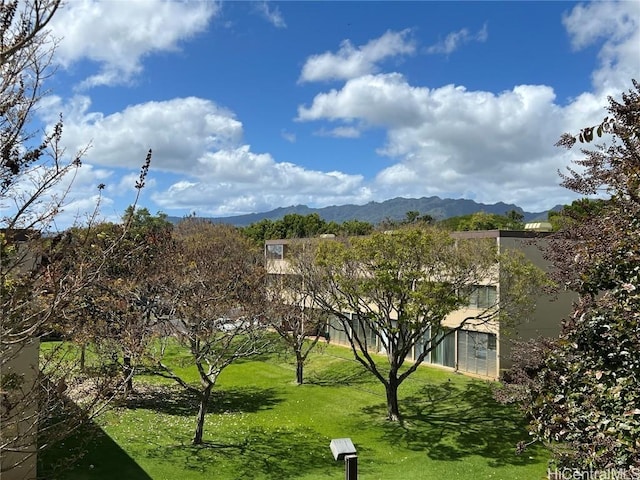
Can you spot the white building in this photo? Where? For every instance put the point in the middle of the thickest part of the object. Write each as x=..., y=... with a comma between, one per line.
x=478, y=348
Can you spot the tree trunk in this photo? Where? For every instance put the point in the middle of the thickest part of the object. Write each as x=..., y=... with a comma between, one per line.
x=299, y=369
x=202, y=411
x=128, y=374
x=83, y=349
x=393, y=411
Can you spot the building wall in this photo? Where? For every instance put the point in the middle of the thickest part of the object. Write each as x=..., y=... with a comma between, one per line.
x=480, y=348
x=550, y=310
x=19, y=412
x=19, y=369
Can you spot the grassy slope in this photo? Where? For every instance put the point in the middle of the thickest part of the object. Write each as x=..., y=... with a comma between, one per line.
x=263, y=426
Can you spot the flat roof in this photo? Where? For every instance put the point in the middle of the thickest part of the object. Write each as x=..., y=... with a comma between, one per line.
x=461, y=234
x=500, y=234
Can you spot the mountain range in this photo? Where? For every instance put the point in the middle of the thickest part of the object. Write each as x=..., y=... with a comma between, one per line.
x=393, y=209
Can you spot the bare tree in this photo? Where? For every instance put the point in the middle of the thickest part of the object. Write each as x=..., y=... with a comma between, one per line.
x=291, y=312
x=214, y=288
x=118, y=315
x=41, y=397
x=44, y=281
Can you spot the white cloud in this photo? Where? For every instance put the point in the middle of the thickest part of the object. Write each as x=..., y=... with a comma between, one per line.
x=80, y=211
x=383, y=99
x=450, y=139
x=119, y=34
x=200, y=144
x=75, y=195
x=234, y=181
x=454, y=40
x=178, y=131
x=340, y=132
x=447, y=141
x=618, y=25
x=350, y=62
x=288, y=136
x=272, y=15
x=126, y=185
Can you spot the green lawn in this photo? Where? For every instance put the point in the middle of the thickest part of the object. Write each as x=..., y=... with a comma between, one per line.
x=263, y=426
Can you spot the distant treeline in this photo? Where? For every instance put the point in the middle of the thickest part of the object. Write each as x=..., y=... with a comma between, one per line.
x=303, y=226
x=294, y=225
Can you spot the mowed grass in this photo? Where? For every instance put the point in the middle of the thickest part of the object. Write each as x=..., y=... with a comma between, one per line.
x=261, y=425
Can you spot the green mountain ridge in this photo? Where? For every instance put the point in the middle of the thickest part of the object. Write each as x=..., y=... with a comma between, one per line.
x=376, y=212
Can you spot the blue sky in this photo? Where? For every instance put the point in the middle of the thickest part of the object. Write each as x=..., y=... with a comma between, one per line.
x=249, y=106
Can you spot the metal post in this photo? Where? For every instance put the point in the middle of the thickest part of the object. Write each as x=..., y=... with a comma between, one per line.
x=343, y=448
x=351, y=467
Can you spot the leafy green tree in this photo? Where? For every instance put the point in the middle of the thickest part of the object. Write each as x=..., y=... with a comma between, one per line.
x=411, y=216
x=492, y=221
x=515, y=220
x=394, y=290
x=141, y=223
x=481, y=221
x=352, y=228
x=582, y=391
x=260, y=231
x=301, y=226
x=512, y=220
x=578, y=211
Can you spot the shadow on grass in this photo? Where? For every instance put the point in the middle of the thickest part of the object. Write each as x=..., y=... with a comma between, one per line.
x=175, y=400
x=88, y=454
x=341, y=373
x=450, y=422
x=256, y=454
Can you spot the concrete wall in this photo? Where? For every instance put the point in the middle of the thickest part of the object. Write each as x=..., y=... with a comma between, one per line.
x=19, y=412
x=454, y=319
x=549, y=311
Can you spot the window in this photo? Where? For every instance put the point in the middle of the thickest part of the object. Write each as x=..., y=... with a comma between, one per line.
x=445, y=352
x=361, y=329
x=336, y=331
x=482, y=296
x=275, y=252
x=420, y=345
x=477, y=352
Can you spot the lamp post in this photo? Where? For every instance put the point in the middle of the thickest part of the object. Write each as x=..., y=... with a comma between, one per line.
x=343, y=449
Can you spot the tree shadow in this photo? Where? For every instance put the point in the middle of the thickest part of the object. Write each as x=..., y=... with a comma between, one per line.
x=174, y=400
x=450, y=422
x=243, y=399
x=340, y=374
x=89, y=453
x=258, y=454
